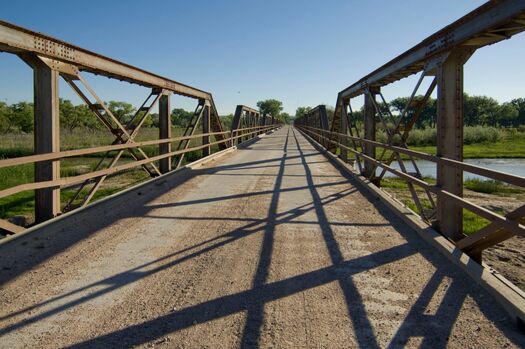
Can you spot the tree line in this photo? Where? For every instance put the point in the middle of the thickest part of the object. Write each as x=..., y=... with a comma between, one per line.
x=274, y=108
x=18, y=117
x=478, y=111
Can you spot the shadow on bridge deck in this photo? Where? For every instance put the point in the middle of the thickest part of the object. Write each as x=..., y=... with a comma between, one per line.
x=431, y=319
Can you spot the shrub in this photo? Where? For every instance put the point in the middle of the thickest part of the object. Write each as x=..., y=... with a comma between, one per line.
x=481, y=134
x=490, y=186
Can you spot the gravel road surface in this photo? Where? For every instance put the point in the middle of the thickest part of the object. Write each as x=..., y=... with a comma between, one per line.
x=270, y=246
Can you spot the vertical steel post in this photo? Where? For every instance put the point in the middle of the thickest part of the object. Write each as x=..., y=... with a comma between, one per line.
x=164, y=131
x=236, y=122
x=343, y=152
x=206, y=128
x=323, y=119
x=370, y=130
x=450, y=142
x=46, y=139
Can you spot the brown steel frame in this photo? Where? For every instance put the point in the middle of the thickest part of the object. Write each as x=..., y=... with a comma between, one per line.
x=440, y=57
x=248, y=117
x=50, y=59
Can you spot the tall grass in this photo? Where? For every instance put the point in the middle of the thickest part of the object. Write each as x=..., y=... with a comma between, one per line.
x=471, y=135
x=491, y=187
x=471, y=221
x=21, y=144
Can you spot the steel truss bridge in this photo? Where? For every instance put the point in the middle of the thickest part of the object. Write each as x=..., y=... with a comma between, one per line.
x=321, y=158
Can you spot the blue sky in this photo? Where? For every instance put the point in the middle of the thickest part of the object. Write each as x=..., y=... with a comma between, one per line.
x=300, y=52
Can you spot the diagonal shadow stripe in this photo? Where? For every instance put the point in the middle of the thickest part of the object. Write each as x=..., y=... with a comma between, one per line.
x=227, y=305
x=356, y=310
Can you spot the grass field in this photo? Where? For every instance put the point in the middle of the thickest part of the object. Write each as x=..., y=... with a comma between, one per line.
x=471, y=222
x=512, y=147
x=505, y=144
x=22, y=204
x=14, y=145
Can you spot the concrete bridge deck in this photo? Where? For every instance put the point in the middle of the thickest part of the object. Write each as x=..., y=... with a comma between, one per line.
x=268, y=246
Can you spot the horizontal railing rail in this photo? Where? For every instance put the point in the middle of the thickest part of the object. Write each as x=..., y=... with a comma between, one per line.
x=230, y=138
x=52, y=60
x=510, y=223
x=439, y=60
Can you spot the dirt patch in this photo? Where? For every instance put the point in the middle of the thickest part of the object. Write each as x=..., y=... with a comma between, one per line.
x=507, y=257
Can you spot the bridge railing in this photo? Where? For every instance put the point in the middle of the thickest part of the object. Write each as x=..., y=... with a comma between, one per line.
x=52, y=60
x=501, y=227
x=439, y=60
x=229, y=139
x=248, y=117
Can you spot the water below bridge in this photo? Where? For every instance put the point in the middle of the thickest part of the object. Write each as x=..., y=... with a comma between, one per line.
x=428, y=168
x=267, y=246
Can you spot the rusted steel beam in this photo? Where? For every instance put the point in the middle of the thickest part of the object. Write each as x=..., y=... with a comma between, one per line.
x=10, y=228
x=205, y=130
x=70, y=60
x=16, y=39
x=473, y=30
x=106, y=148
x=165, y=131
x=370, y=131
x=244, y=116
x=450, y=142
x=46, y=138
x=482, y=171
x=489, y=235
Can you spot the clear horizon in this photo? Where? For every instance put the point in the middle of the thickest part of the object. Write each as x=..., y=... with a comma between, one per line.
x=300, y=53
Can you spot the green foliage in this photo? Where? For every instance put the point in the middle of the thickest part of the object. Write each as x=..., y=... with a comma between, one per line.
x=519, y=104
x=286, y=118
x=226, y=122
x=76, y=116
x=302, y=111
x=427, y=117
x=471, y=135
x=512, y=146
x=271, y=106
x=491, y=187
x=5, y=120
x=123, y=111
x=478, y=111
x=472, y=223
x=181, y=117
x=21, y=116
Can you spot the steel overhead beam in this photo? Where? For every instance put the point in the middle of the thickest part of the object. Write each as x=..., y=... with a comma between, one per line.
x=492, y=22
x=17, y=40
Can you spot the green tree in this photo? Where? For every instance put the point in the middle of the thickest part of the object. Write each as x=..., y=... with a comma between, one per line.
x=271, y=106
x=286, y=118
x=507, y=114
x=69, y=117
x=181, y=117
x=427, y=117
x=302, y=111
x=519, y=104
x=5, y=118
x=22, y=116
x=226, y=121
x=480, y=110
x=123, y=111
